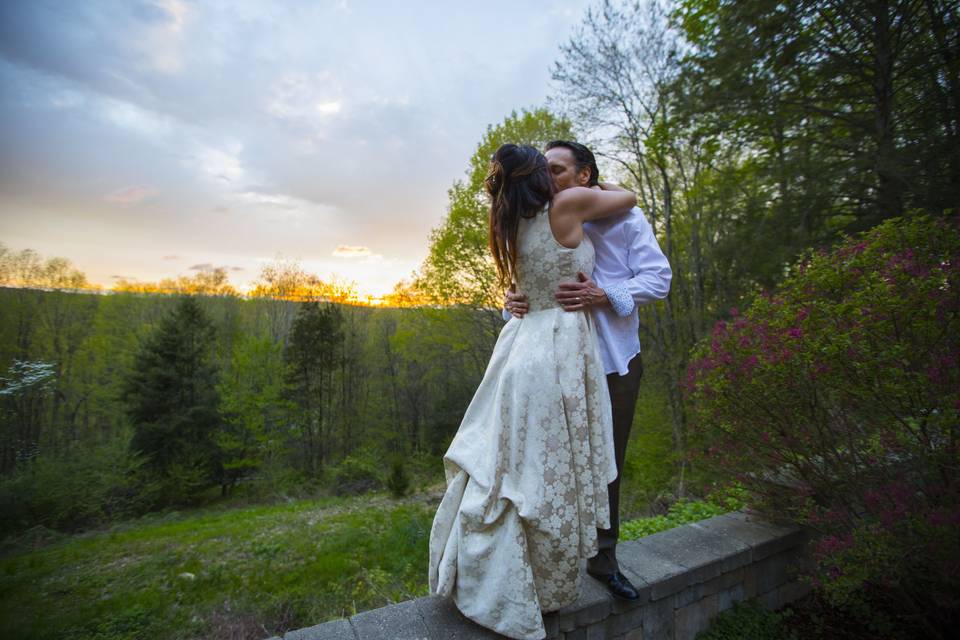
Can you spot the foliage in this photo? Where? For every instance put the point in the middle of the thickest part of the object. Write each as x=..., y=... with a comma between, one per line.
x=210, y=282
x=875, y=138
x=685, y=511
x=459, y=268
x=398, y=481
x=23, y=396
x=401, y=381
x=174, y=404
x=313, y=354
x=748, y=621
x=649, y=461
x=358, y=473
x=836, y=401
x=77, y=488
x=27, y=269
x=253, y=406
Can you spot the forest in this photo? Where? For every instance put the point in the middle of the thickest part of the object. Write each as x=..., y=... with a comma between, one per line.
x=775, y=147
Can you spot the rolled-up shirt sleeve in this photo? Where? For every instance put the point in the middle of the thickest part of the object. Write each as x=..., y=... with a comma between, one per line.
x=650, y=268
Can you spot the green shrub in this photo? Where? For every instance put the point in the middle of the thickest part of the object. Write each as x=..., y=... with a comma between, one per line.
x=357, y=473
x=747, y=621
x=836, y=401
x=684, y=511
x=78, y=489
x=398, y=481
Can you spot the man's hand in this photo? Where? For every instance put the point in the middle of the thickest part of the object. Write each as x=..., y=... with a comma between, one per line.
x=516, y=304
x=582, y=294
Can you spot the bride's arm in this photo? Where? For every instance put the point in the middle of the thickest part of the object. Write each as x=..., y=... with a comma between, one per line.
x=581, y=203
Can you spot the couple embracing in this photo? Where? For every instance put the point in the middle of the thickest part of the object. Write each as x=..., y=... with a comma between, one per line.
x=533, y=473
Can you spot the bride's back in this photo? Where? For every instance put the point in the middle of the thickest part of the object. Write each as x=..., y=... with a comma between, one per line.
x=543, y=263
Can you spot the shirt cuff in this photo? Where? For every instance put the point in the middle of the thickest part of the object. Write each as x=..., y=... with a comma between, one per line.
x=620, y=299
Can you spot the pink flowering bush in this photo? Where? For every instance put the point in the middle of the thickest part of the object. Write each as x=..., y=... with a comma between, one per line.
x=835, y=401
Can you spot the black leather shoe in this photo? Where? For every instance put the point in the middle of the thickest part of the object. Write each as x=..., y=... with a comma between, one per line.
x=617, y=584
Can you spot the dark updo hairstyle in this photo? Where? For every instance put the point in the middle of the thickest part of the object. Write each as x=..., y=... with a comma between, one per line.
x=519, y=185
x=582, y=157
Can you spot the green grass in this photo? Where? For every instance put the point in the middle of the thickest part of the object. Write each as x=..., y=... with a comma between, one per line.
x=680, y=513
x=252, y=572
x=648, y=468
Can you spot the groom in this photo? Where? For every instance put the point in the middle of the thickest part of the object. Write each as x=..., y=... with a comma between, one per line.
x=630, y=270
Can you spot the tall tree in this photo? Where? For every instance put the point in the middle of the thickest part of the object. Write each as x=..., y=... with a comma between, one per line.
x=615, y=79
x=459, y=269
x=253, y=406
x=854, y=104
x=173, y=401
x=313, y=356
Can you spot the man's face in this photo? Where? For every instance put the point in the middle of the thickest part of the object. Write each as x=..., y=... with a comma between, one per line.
x=563, y=168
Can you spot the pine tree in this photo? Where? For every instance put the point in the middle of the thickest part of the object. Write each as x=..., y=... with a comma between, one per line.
x=313, y=357
x=173, y=401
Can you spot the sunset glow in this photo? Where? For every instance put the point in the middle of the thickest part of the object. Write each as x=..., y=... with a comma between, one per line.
x=158, y=140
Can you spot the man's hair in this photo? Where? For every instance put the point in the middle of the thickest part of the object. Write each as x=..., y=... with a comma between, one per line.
x=582, y=157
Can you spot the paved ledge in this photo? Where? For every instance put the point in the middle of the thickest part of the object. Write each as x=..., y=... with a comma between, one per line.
x=685, y=576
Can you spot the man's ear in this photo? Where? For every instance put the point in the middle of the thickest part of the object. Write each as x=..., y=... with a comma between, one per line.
x=583, y=177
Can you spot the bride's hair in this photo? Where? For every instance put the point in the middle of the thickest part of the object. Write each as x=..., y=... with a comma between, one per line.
x=519, y=185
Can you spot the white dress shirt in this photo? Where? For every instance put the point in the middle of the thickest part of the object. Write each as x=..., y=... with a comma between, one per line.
x=632, y=270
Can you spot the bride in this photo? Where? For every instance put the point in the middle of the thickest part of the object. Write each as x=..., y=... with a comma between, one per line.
x=528, y=469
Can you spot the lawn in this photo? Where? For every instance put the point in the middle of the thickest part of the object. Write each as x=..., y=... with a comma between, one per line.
x=241, y=573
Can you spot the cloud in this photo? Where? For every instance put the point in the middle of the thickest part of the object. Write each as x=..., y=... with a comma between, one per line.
x=171, y=257
x=128, y=278
x=132, y=117
x=162, y=42
x=133, y=194
x=208, y=267
x=305, y=102
x=350, y=251
x=220, y=165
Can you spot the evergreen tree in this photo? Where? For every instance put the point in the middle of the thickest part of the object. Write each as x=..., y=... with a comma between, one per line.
x=173, y=401
x=313, y=358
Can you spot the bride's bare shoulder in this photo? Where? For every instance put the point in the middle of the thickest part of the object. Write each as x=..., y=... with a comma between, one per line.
x=570, y=198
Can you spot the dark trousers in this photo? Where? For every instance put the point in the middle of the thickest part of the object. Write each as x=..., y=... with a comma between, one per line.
x=623, y=397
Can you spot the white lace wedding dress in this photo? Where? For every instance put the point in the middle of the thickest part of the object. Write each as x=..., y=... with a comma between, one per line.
x=527, y=471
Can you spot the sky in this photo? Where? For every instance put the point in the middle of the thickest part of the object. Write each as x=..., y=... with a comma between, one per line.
x=150, y=139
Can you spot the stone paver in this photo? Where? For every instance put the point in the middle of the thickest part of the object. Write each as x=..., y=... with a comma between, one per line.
x=685, y=576
x=334, y=630
x=398, y=622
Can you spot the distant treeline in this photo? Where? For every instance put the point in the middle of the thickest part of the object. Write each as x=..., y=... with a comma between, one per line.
x=207, y=390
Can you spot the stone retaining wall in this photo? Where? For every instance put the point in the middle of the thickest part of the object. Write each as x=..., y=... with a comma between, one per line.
x=685, y=576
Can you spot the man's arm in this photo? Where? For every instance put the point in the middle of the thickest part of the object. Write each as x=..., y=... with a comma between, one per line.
x=651, y=269
x=651, y=279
